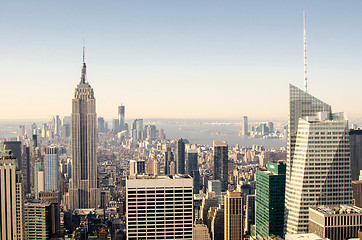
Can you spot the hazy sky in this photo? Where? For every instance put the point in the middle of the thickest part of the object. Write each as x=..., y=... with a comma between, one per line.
x=178, y=59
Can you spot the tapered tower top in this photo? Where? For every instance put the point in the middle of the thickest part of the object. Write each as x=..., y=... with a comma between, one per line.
x=83, y=77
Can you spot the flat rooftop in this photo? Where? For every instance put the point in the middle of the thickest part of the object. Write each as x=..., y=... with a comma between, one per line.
x=144, y=176
x=341, y=209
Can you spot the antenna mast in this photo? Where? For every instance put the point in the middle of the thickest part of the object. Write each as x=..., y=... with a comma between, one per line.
x=305, y=55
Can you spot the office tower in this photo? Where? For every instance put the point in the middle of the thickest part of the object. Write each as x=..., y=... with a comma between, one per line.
x=150, y=131
x=207, y=202
x=57, y=124
x=115, y=125
x=180, y=156
x=168, y=160
x=217, y=224
x=335, y=222
x=83, y=192
x=355, y=141
x=152, y=166
x=100, y=126
x=137, y=167
x=193, y=168
x=41, y=228
x=11, y=199
x=250, y=213
x=34, y=143
x=159, y=207
x=271, y=127
x=15, y=148
x=357, y=192
x=245, y=126
x=318, y=164
x=270, y=200
x=214, y=186
x=26, y=168
x=221, y=163
x=121, y=117
x=201, y=232
x=233, y=212
x=54, y=198
x=137, y=129
x=172, y=168
x=51, y=168
x=38, y=177
x=21, y=132
x=44, y=130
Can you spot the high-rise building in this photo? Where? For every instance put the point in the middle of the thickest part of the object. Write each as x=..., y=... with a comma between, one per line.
x=193, y=168
x=318, y=164
x=26, y=168
x=121, y=117
x=180, y=156
x=11, y=199
x=245, y=126
x=221, y=163
x=250, y=213
x=233, y=223
x=83, y=192
x=51, y=168
x=270, y=199
x=159, y=207
x=42, y=226
x=100, y=126
x=15, y=148
x=217, y=224
x=168, y=160
x=57, y=124
x=201, y=232
x=355, y=142
x=38, y=177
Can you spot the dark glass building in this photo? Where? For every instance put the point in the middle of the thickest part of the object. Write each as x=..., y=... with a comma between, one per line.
x=221, y=163
x=270, y=198
x=180, y=156
x=355, y=143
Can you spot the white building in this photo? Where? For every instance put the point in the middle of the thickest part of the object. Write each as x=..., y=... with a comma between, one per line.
x=201, y=232
x=51, y=169
x=318, y=164
x=159, y=207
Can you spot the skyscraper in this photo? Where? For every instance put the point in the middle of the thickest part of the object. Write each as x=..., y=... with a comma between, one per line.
x=193, y=168
x=121, y=117
x=221, y=163
x=180, y=156
x=270, y=199
x=15, y=148
x=355, y=141
x=83, y=192
x=51, y=168
x=11, y=199
x=318, y=164
x=159, y=207
x=168, y=160
x=245, y=126
x=233, y=223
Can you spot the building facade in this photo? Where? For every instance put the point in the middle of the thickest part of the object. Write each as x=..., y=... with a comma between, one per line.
x=270, y=199
x=159, y=207
x=11, y=199
x=221, y=163
x=355, y=142
x=51, y=169
x=233, y=216
x=318, y=159
x=180, y=156
x=83, y=192
x=335, y=222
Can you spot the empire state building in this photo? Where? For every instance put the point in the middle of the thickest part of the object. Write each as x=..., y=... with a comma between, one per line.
x=83, y=192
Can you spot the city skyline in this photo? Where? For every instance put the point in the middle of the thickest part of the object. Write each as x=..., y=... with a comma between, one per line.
x=142, y=53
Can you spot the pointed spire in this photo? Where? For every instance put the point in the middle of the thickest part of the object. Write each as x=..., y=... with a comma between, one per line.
x=83, y=76
x=305, y=54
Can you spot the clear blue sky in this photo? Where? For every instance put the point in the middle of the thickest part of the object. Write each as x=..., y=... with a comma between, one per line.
x=178, y=59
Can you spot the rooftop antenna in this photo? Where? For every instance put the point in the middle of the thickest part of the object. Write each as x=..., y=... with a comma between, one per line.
x=305, y=55
x=83, y=51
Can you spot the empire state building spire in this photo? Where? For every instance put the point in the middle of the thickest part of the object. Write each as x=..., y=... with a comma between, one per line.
x=83, y=77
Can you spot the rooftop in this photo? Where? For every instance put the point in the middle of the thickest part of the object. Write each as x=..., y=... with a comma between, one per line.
x=220, y=143
x=144, y=176
x=342, y=209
